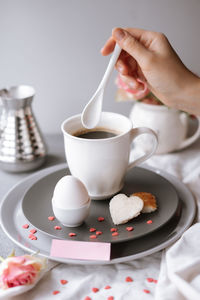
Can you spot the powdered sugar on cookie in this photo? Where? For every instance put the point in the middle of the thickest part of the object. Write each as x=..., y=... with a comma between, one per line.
x=123, y=208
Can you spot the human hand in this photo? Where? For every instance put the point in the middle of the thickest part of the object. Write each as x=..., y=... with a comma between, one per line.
x=148, y=56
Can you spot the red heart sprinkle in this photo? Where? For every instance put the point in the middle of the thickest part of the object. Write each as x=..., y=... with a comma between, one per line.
x=32, y=237
x=115, y=233
x=33, y=231
x=146, y=291
x=55, y=292
x=149, y=279
x=63, y=281
x=95, y=290
x=99, y=232
x=51, y=218
x=101, y=219
x=25, y=226
x=110, y=298
x=92, y=229
x=57, y=228
x=155, y=281
x=72, y=234
x=87, y=298
x=93, y=236
x=113, y=229
x=149, y=222
x=129, y=279
x=107, y=287
x=130, y=228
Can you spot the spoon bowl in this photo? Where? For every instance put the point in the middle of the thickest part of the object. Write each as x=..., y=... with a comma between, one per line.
x=92, y=111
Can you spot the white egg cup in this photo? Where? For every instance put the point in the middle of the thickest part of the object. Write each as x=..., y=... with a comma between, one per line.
x=71, y=217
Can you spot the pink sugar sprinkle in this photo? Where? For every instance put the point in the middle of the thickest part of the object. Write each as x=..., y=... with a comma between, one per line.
x=101, y=219
x=57, y=228
x=63, y=281
x=149, y=279
x=115, y=233
x=155, y=281
x=72, y=234
x=107, y=287
x=32, y=237
x=95, y=290
x=146, y=291
x=113, y=229
x=25, y=226
x=51, y=218
x=92, y=229
x=93, y=236
x=33, y=231
x=99, y=232
x=130, y=228
x=129, y=279
x=149, y=222
x=55, y=292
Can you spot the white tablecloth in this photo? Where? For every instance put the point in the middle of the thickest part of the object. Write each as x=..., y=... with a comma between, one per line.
x=177, y=269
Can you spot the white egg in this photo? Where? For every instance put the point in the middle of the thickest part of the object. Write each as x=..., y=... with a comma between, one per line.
x=69, y=193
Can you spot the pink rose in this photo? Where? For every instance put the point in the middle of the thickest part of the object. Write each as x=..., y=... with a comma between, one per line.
x=135, y=94
x=20, y=270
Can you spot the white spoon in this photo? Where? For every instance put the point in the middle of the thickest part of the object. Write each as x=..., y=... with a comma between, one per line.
x=92, y=111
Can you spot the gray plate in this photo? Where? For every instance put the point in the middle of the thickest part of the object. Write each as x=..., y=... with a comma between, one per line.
x=12, y=218
x=36, y=206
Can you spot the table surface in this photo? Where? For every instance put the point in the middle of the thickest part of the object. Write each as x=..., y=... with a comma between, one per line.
x=55, y=156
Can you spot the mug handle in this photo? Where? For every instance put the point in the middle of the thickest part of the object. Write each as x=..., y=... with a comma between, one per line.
x=135, y=132
x=187, y=142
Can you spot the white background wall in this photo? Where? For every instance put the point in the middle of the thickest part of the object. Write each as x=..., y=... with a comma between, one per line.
x=54, y=45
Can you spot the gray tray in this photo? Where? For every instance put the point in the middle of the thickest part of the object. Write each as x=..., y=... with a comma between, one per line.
x=12, y=217
x=36, y=206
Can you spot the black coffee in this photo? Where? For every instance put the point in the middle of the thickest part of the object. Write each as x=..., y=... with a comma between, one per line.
x=97, y=134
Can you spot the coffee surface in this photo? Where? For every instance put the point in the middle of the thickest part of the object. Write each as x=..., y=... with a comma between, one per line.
x=96, y=134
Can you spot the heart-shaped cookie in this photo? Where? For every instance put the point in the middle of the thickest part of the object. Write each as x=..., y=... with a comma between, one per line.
x=123, y=208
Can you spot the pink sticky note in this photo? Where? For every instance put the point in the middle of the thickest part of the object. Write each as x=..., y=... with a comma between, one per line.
x=80, y=250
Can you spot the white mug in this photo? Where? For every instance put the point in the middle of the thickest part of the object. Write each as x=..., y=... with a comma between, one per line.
x=101, y=164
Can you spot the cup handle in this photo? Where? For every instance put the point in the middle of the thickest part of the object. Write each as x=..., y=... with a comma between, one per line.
x=135, y=132
x=187, y=142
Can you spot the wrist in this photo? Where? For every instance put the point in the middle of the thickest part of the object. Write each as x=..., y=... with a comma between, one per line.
x=189, y=98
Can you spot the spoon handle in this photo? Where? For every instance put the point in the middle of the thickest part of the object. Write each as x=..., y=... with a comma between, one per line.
x=110, y=66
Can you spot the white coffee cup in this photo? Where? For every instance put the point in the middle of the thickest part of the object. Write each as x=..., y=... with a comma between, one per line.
x=101, y=164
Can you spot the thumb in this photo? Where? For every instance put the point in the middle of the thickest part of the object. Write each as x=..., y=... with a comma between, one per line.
x=130, y=44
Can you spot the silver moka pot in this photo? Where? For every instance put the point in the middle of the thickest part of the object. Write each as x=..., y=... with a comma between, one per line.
x=21, y=145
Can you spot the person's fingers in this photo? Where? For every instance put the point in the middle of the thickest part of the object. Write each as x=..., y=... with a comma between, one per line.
x=131, y=82
x=130, y=44
x=121, y=64
x=126, y=64
x=108, y=47
x=121, y=67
